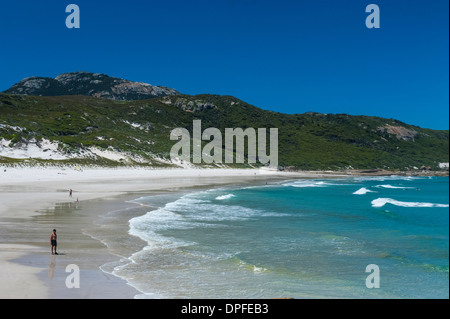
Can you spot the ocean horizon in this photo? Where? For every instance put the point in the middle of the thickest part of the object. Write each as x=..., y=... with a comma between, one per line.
x=302, y=238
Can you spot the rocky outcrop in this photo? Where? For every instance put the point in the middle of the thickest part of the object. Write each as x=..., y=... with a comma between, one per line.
x=400, y=132
x=92, y=84
x=189, y=106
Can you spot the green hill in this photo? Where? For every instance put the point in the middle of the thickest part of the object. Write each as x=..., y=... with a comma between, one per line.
x=89, y=130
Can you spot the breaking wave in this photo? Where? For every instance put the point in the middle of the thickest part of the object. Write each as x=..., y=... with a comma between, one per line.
x=380, y=202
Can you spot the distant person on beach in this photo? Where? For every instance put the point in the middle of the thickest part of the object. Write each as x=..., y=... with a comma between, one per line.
x=70, y=193
x=53, y=242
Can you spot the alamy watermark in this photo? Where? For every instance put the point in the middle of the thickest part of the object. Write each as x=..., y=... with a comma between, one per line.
x=73, y=279
x=373, y=19
x=73, y=19
x=373, y=280
x=214, y=152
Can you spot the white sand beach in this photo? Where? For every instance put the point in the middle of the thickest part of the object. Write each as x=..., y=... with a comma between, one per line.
x=29, y=202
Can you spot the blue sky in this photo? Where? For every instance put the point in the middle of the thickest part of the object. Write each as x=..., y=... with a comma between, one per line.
x=285, y=56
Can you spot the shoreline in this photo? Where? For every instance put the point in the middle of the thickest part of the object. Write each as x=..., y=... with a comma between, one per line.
x=34, y=201
x=37, y=200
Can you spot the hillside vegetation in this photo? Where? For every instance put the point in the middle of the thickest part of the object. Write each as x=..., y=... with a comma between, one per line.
x=82, y=128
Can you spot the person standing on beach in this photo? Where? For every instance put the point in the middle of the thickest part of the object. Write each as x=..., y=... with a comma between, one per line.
x=53, y=242
x=70, y=193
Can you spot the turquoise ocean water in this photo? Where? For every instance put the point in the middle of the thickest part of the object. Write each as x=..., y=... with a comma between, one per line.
x=296, y=238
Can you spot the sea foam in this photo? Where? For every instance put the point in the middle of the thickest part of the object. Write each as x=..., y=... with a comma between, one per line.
x=228, y=196
x=392, y=187
x=380, y=202
x=363, y=191
x=307, y=183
